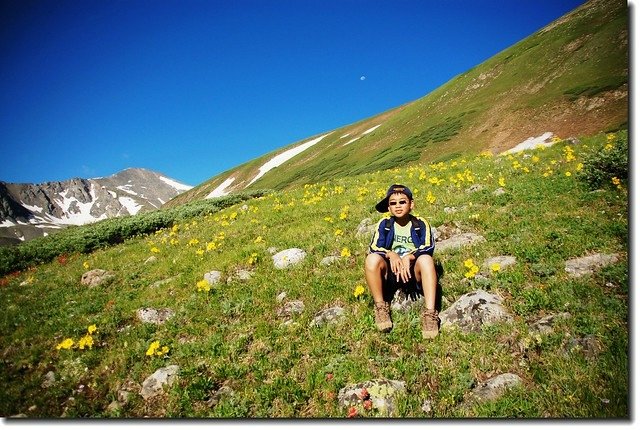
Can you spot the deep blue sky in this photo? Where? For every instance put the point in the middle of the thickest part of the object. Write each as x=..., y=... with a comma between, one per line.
x=191, y=88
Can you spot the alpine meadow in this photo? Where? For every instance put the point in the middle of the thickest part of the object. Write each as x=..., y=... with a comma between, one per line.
x=245, y=296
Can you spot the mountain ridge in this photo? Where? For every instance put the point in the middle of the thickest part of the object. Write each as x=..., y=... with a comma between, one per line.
x=28, y=210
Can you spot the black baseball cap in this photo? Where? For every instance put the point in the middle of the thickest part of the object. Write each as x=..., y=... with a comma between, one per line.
x=383, y=205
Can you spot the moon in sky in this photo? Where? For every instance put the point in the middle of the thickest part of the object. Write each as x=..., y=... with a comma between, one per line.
x=362, y=78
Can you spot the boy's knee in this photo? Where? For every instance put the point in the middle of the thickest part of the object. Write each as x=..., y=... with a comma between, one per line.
x=374, y=262
x=425, y=261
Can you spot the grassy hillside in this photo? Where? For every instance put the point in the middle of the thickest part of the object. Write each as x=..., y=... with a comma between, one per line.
x=233, y=336
x=570, y=78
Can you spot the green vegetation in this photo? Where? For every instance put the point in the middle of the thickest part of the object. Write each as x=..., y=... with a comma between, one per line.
x=84, y=239
x=608, y=165
x=232, y=335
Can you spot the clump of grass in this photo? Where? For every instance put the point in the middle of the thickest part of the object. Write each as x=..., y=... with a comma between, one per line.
x=607, y=165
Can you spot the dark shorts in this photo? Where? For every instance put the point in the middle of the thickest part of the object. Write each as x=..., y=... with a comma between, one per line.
x=391, y=285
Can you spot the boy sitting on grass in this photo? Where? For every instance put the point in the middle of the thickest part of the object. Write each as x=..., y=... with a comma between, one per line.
x=401, y=256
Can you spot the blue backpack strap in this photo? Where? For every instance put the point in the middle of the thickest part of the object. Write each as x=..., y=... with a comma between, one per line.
x=387, y=224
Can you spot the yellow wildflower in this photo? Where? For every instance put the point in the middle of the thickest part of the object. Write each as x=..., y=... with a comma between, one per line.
x=358, y=291
x=615, y=180
x=495, y=267
x=345, y=252
x=252, y=259
x=200, y=252
x=85, y=341
x=259, y=239
x=567, y=173
x=501, y=182
x=85, y=265
x=431, y=198
x=65, y=344
x=153, y=347
x=92, y=329
x=203, y=285
x=339, y=232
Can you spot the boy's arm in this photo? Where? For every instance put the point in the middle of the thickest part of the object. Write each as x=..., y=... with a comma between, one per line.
x=429, y=244
x=378, y=240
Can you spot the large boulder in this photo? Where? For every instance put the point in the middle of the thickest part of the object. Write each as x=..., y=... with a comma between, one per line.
x=473, y=310
x=154, y=384
x=288, y=258
x=587, y=265
x=380, y=395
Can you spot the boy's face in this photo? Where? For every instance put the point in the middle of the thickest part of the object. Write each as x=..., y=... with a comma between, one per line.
x=400, y=205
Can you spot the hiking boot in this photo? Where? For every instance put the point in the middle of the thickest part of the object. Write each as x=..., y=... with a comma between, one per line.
x=383, y=316
x=430, y=323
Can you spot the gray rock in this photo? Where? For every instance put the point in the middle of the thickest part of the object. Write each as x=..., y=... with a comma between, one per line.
x=366, y=227
x=545, y=324
x=588, y=345
x=154, y=384
x=281, y=297
x=503, y=260
x=495, y=387
x=383, y=394
x=474, y=188
x=587, y=265
x=459, y=241
x=500, y=191
x=96, y=277
x=291, y=308
x=242, y=275
x=426, y=407
x=326, y=261
x=151, y=260
x=213, y=277
x=328, y=316
x=163, y=282
x=49, y=379
x=445, y=231
x=114, y=406
x=219, y=394
x=154, y=316
x=288, y=258
x=404, y=302
x=474, y=310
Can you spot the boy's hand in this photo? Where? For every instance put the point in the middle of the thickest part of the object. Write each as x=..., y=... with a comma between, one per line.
x=401, y=267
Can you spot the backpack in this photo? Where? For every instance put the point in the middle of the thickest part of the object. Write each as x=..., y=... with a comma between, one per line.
x=414, y=225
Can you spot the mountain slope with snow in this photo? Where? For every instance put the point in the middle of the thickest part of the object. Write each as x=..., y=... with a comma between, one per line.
x=33, y=210
x=569, y=79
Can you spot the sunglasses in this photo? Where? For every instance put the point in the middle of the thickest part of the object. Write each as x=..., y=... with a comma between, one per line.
x=401, y=202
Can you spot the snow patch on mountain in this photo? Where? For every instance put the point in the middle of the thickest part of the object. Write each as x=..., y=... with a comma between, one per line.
x=131, y=205
x=372, y=129
x=221, y=190
x=285, y=156
x=177, y=185
x=545, y=139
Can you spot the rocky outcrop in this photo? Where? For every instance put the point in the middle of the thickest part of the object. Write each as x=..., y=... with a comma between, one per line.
x=33, y=210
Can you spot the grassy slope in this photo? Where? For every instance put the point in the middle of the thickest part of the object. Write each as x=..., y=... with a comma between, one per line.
x=233, y=336
x=569, y=78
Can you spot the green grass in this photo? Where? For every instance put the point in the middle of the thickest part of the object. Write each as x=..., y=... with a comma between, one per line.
x=232, y=335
